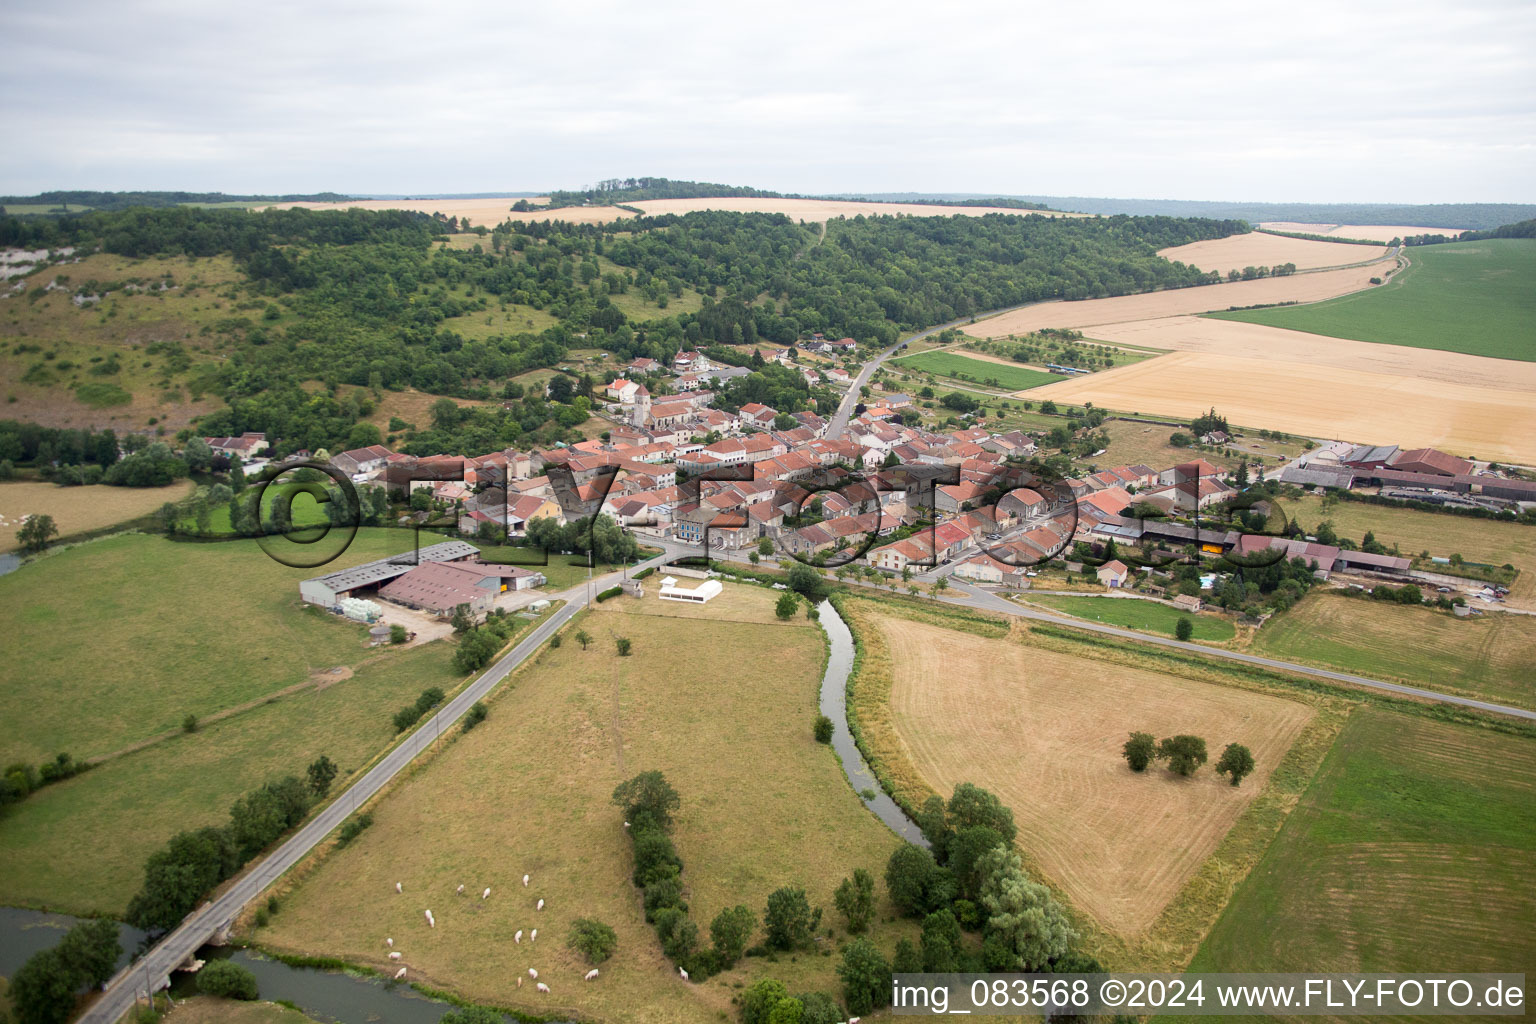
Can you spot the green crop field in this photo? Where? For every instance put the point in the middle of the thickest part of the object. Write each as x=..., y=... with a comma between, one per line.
x=951, y=364
x=1413, y=849
x=1472, y=297
x=1149, y=616
x=1492, y=657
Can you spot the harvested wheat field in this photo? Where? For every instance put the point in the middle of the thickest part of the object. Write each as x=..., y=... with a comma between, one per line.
x=1413, y=411
x=1373, y=232
x=824, y=209
x=1259, y=341
x=1044, y=729
x=762, y=805
x=1257, y=249
x=487, y=212
x=78, y=509
x=1313, y=287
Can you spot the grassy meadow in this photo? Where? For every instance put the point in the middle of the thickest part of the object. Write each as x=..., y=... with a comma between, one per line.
x=112, y=643
x=763, y=805
x=1492, y=657
x=1413, y=850
x=1148, y=616
x=79, y=846
x=1473, y=297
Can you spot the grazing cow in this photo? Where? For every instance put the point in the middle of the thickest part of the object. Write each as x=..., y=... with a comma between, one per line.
x=590, y=974
x=400, y=974
x=543, y=988
x=432, y=921
x=540, y=905
x=525, y=881
x=518, y=938
x=533, y=935
x=460, y=890
x=399, y=887
x=487, y=894
x=683, y=973
x=389, y=942
x=533, y=974
x=395, y=955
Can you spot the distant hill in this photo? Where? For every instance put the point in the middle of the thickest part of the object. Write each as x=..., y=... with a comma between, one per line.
x=1477, y=216
x=123, y=200
x=629, y=190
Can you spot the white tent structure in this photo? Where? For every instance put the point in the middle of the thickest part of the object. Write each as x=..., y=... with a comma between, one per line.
x=670, y=591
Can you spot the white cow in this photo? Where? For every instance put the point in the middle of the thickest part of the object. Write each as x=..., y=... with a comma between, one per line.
x=518, y=937
x=590, y=974
x=543, y=988
x=525, y=881
x=683, y=973
x=533, y=974
x=389, y=942
x=533, y=935
x=487, y=894
x=460, y=890
x=540, y=905
x=400, y=974
x=395, y=955
x=399, y=887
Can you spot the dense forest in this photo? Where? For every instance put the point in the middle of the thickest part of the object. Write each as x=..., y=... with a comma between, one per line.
x=373, y=297
x=613, y=191
x=124, y=200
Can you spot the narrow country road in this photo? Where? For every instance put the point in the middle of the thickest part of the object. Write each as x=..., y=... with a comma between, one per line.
x=149, y=970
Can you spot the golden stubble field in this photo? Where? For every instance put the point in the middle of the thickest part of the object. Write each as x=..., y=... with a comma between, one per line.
x=490, y=212
x=78, y=509
x=1320, y=401
x=1178, y=301
x=486, y=212
x=1257, y=249
x=1374, y=232
x=1044, y=729
x=719, y=698
x=805, y=210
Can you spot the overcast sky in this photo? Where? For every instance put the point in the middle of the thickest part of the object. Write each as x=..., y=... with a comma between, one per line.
x=1421, y=101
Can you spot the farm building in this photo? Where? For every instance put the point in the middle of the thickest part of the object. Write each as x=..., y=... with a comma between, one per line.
x=440, y=587
x=700, y=594
x=1188, y=603
x=1430, y=461
x=328, y=590
x=1113, y=573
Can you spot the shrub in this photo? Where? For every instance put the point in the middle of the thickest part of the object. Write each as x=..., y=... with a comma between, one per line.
x=1183, y=631
x=729, y=932
x=866, y=976
x=624, y=646
x=609, y=593
x=398, y=634
x=788, y=918
x=786, y=605
x=227, y=979
x=477, y=714
x=592, y=939
x=189, y=723
x=352, y=828
x=823, y=729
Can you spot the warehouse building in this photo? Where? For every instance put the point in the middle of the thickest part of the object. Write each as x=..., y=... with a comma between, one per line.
x=440, y=587
x=366, y=579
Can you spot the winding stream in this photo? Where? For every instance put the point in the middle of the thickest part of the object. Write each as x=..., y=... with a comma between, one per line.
x=834, y=704
x=359, y=999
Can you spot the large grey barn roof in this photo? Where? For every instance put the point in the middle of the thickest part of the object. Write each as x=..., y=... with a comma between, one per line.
x=385, y=569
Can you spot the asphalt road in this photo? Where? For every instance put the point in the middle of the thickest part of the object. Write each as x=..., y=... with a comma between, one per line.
x=148, y=970
x=975, y=597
